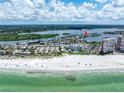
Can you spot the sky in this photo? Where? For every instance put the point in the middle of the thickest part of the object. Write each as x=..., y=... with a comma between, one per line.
x=61, y=11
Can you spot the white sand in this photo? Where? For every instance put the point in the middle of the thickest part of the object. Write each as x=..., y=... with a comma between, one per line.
x=65, y=63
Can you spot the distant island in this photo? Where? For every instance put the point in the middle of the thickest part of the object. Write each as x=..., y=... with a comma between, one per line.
x=16, y=29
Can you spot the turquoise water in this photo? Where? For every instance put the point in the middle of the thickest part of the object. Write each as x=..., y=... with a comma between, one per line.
x=51, y=82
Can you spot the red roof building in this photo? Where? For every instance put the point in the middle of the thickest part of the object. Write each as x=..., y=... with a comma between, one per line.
x=85, y=33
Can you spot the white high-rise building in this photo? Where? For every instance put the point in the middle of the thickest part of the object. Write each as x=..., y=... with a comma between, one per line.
x=107, y=45
x=120, y=43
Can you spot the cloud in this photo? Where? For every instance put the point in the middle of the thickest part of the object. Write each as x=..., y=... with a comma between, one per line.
x=113, y=12
x=118, y=2
x=58, y=11
x=17, y=10
x=89, y=5
x=102, y=1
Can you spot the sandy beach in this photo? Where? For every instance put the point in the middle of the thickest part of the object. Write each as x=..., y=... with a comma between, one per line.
x=65, y=63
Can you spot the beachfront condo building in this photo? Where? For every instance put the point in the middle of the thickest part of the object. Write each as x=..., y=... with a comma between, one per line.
x=120, y=43
x=107, y=45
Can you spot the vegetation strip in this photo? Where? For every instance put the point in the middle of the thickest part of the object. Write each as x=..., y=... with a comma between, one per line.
x=15, y=37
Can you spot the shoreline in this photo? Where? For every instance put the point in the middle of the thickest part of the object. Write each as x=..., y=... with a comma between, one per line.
x=63, y=64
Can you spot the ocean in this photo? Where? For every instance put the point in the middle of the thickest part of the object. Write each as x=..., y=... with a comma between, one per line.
x=79, y=82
